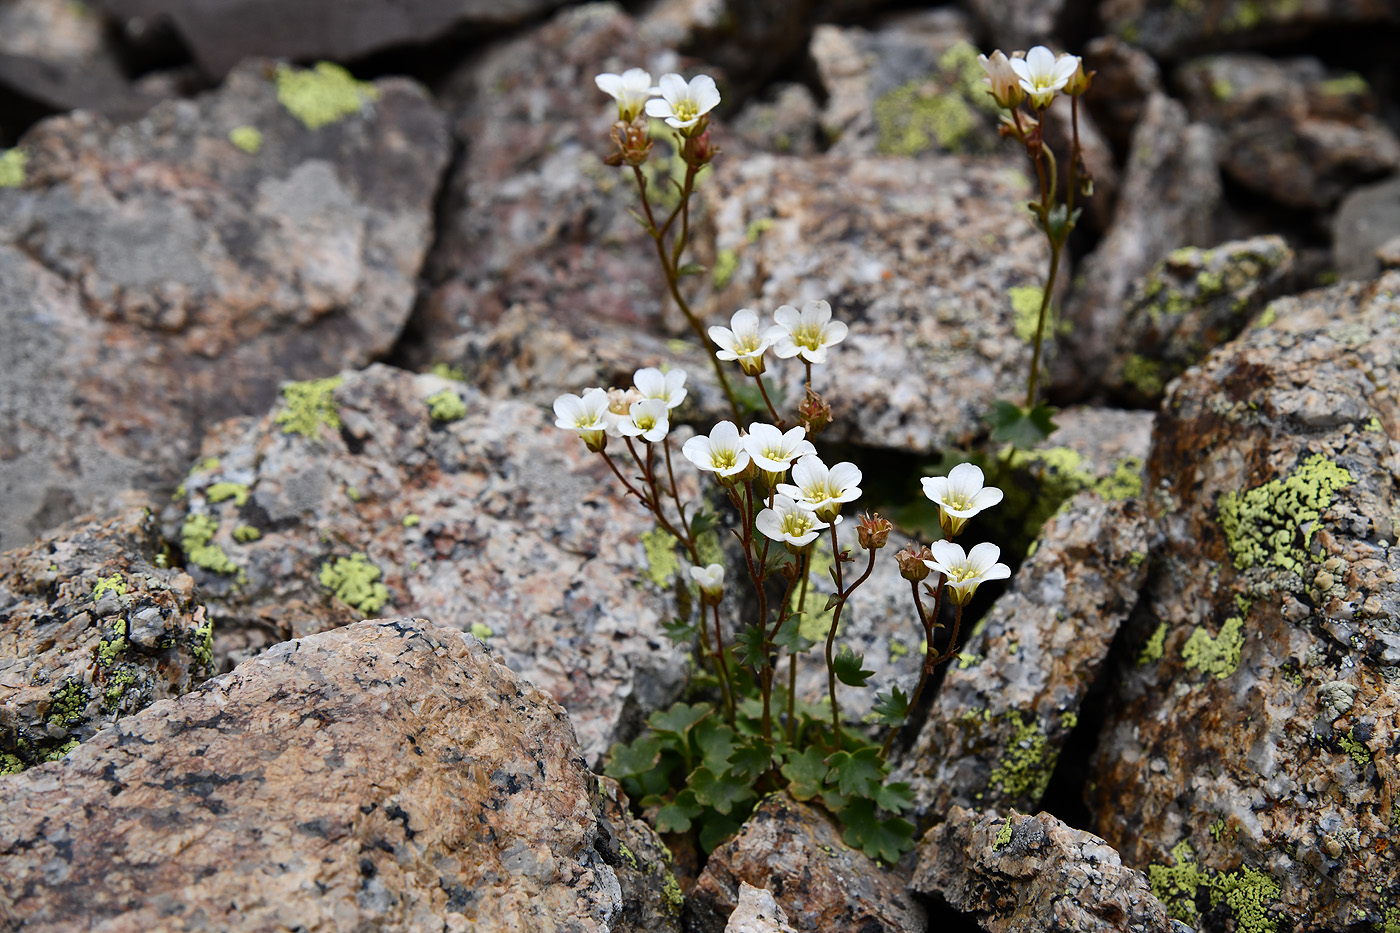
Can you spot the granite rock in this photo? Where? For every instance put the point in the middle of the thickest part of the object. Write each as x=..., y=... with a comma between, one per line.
x=169, y=273
x=1247, y=763
x=392, y=775
x=1125, y=78
x=784, y=121
x=383, y=489
x=651, y=895
x=1034, y=874
x=94, y=626
x=757, y=912
x=1367, y=219
x=796, y=851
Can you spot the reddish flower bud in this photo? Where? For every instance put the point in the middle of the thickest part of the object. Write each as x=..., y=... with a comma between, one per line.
x=813, y=412
x=911, y=562
x=873, y=531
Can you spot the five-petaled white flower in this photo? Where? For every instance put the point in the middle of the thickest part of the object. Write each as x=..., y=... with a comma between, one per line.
x=682, y=105
x=722, y=453
x=791, y=522
x=1002, y=80
x=710, y=579
x=619, y=409
x=821, y=489
x=668, y=386
x=774, y=450
x=966, y=571
x=1042, y=74
x=959, y=496
x=630, y=89
x=586, y=414
x=807, y=332
x=742, y=341
x=646, y=418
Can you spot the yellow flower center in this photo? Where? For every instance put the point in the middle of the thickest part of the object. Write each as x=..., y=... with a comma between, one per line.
x=797, y=523
x=685, y=110
x=809, y=336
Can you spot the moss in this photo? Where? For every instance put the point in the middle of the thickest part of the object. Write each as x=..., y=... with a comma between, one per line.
x=662, y=563
x=1360, y=754
x=195, y=536
x=112, y=697
x=1144, y=374
x=247, y=138
x=246, y=533
x=355, y=581
x=12, y=164
x=671, y=892
x=322, y=95
x=1350, y=83
x=115, y=583
x=1273, y=524
x=1125, y=482
x=726, y=264
x=1024, y=770
x=220, y=492
x=1219, y=656
x=10, y=764
x=412, y=520
x=911, y=119
x=310, y=405
x=67, y=704
x=482, y=630
x=446, y=405
x=1003, y=838
x=444, y=371
x=1156, y=646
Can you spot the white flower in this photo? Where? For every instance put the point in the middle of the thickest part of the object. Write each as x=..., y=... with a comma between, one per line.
x=669, y=386
x=710, y=579
x=630, y=89
x=742, y=341
x=646, y=418
x=820, y=489
x=722, y=453
x=1002, y=80
x=1042, y=74
x=587, y=415
x=774, y=450
x=682, y=105
x=808, y=332
x=959, y=496
x=619, y=407
x=965, y=572
x=790, y=522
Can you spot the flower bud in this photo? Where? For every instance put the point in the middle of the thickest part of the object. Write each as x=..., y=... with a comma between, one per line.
x=911, y=562
x=813, y=412
x=873, y=531
x=710, y=579
x=1079, y=81
x=698, y=150
x=633, y=140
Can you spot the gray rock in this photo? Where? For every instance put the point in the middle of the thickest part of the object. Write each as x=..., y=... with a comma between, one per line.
x=485, y=516
x=392, y=775
x=651, y=896
x=1228, y=769
x=757, y=912
x=1368, y=219
x=159, y=277
x=1125, y=78
x=94, y=626
x=1018, y=24
x=786, y=121
x=1173, y=29
x=1034, y=874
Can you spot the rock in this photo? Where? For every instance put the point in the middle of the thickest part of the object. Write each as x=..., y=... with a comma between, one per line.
x=382, y=489
x=651, y=896
x=1019, y=24
x=1125, y=78
x=1172, y=29
x=1254, y=102
x=1012, y=696
x=1368, y=218
x=818, y=881
x=1034, y=874
x=785, y=121
x=1244, y=764
x=221, y=33
x=922, y=258
x=391, y=775
x=757, y=912
x=94, y=626
x=160, y=277
x=1170, y=188
x=1191, y=302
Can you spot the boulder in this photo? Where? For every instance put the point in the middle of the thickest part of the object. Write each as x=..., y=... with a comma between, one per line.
x=757, y=912
x=1367, y=220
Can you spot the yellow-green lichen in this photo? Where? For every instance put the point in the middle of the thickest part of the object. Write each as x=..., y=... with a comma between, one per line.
x=816, y=618
x=446, y=371
x=1003, y=838
x=897, y=650
x=412, y=520
x=1267, y=317
x=1221, y=89
x=1024, y=770
x=1248, y=892
x=446, y=405
x=1144, y=374
x=12, y=164
x=220, y=492
x=726, y=264
x=1374, y=425
x=671, y=893
x=627, y=854
x=355, y=581
x=322, y=95
x=917, y=116
x=1350, y=83
x=1068, y=720
x=757, y=228
x=310, y=405
x=1176, y=885
x=1025, y=308
x=662, y=563
x=202, y=649
x=247, y=138
x=1360, y=754
x=1125, y=482
x=1156, y=646
x=115, y=583
x=1273, y=524
x=482, y=630
x=10, y=764
x=116, y=689
x=195, y=535
x=67, y=704
x=54, y=754
x=246, y=533
x=1219, y=656
x=109, y=648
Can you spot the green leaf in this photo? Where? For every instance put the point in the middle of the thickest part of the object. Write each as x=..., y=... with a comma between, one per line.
x=703, y=521
x=1022, y=427
x=790, y=636
x=716, y=743
x=806, y=773
x=675, y=816
x=680, y=631
x=637, y=758
x=752, y=760
x=891, y=710
x=859, y=773
x=716, y=831
x=679, y=719
x=886, y=840
x=894, y=797
x=691, y=268
x=750, y=646
x=847, y=666
x=722, y=792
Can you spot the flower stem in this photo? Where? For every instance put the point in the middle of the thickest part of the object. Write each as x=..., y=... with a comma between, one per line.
x=792, y=665
x=725, y=684
x=1055, y=249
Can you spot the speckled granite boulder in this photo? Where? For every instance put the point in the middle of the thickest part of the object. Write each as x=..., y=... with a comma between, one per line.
x=1190, y=303
x=1009, y=701
x=391, y=775
x=1172, y=28
x=1034, y=874
x=383, y=489
x=1334, y=140
x=757, y=912
x=170, y=273
x=796, y=851
x=1248, y=762
x=94, y=626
